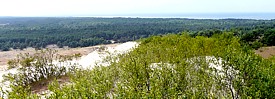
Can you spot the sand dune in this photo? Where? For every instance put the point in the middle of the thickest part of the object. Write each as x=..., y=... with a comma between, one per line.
x=95, y=57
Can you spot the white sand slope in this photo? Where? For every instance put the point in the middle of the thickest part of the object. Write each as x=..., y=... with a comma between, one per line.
x=85, y=62
x=97, y=57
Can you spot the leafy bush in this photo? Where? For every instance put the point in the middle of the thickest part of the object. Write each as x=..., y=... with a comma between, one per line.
x=34, y=68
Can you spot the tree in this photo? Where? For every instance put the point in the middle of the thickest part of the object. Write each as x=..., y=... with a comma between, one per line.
x=269, y=38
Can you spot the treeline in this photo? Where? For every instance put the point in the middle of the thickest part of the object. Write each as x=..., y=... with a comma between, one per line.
x=19, y=33
x=254, y=36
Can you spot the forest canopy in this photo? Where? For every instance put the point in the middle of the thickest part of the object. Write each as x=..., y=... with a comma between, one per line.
x=22, y=32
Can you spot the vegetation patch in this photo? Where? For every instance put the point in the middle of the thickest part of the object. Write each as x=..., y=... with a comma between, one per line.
x=174, y=66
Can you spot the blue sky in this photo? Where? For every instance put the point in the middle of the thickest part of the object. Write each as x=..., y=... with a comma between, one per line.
x=130, y=7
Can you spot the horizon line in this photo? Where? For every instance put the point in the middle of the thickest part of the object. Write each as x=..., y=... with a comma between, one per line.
x=226, y=15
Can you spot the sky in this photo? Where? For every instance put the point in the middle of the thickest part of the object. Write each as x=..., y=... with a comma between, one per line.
x=130, y=7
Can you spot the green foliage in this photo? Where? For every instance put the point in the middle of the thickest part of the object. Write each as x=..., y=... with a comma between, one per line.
x=97, y=83
x=269, y=37
x=177, y=66
x=33, y=68
x=256, y=45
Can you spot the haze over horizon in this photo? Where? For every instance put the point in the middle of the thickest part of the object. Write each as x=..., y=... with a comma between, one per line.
x=73, y=8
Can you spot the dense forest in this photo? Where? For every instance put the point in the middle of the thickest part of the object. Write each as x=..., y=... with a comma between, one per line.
x=20, y=32
x=170, y=66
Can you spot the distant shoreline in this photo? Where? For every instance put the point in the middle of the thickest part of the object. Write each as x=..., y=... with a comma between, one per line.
x=258, y=16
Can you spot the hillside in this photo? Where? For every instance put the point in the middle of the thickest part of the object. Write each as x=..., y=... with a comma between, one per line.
x=174, y=66
x=39, y=68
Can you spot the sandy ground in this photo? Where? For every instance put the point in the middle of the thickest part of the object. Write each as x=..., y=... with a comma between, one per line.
x=8, y=55
x=266, y=52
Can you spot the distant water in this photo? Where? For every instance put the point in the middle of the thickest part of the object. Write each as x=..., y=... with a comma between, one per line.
x=262, y=16
x=259, y=16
